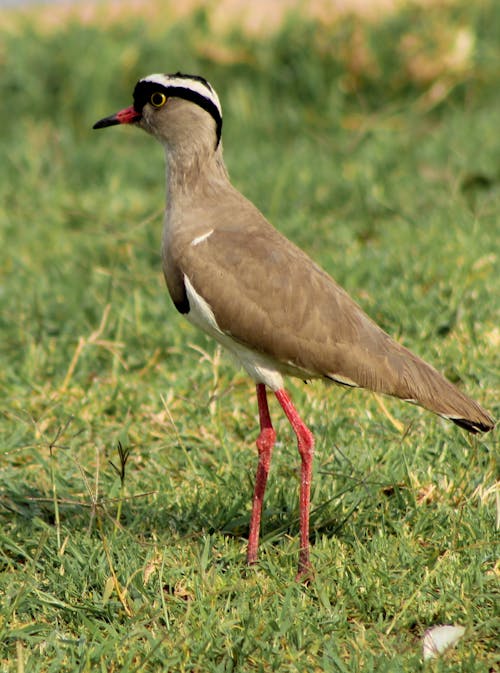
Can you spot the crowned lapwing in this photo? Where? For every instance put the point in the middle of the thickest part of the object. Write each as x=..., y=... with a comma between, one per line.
x=233, y=275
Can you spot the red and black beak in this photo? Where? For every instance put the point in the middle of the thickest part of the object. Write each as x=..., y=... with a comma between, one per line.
x=127, y=116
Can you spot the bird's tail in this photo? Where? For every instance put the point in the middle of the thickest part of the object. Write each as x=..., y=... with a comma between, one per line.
x=425, y=386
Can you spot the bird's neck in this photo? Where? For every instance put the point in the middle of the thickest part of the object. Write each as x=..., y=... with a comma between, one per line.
x=193, y=170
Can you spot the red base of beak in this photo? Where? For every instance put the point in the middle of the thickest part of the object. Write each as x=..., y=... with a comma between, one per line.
x=127, y=116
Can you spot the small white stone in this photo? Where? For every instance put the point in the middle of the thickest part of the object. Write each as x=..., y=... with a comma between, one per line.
x=438, y=638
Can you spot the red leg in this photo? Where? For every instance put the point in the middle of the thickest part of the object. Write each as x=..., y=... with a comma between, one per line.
x=265, y=443
x=305, y=441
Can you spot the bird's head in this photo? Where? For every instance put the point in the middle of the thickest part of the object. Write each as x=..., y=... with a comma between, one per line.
x=174, y=109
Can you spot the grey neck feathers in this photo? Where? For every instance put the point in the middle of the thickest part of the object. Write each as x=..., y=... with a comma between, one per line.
x=193, y=169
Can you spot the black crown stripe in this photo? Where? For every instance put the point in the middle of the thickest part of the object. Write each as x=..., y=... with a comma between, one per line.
x=144, y=89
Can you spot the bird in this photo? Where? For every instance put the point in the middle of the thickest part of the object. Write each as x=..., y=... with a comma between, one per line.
x=242, y=282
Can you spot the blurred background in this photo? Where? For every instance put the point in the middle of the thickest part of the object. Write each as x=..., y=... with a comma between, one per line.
x=367, y=132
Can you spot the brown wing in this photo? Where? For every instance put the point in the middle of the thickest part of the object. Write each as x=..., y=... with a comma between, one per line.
x=269, y=295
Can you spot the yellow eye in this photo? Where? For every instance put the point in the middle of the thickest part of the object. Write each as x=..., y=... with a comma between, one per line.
x=158, y=99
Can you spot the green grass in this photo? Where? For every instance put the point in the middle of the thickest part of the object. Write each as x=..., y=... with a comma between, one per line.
x=394, y=192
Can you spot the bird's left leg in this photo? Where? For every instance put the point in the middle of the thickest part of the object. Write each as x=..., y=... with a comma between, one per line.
x=305, y=441
x=265, y=443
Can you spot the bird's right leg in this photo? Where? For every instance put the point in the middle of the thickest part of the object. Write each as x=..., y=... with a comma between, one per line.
x=265, y=443
x=305, y=441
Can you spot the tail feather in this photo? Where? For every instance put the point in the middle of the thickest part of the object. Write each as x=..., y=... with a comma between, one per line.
x=431, y=390
x=394, y=370
x=473, y=426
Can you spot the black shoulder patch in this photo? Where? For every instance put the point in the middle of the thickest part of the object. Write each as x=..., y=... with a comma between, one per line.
x=183, y=305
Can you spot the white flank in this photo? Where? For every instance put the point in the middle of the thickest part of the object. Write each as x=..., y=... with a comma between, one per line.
x=202, y=237
x=200, y=313
x=186, y=83
x=260, y=368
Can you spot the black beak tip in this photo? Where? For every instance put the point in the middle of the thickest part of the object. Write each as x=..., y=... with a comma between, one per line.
x=112, y=120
